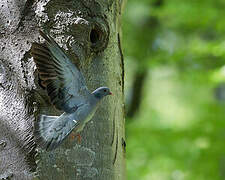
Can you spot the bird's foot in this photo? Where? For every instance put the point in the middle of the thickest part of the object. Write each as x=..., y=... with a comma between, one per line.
x=74, y=135
x=79, y=138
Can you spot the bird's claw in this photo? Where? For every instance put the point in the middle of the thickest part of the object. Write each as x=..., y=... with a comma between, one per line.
x=73, y=136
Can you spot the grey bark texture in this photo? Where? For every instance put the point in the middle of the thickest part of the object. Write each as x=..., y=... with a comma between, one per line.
x=89, y=30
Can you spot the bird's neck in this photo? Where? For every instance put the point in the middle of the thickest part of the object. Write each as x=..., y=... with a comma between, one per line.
x=96, y=98
x=97, y=95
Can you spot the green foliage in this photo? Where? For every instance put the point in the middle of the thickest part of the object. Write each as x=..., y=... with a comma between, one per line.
x=179, y=133
x=189, y=34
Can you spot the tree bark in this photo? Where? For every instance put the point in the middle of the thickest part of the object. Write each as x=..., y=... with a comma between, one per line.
x=89, y=30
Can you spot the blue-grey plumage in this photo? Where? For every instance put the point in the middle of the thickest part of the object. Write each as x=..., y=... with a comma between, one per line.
x=68, y=92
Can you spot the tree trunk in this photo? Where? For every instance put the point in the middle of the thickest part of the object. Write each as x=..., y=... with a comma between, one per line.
x=151, y=27
x=137, y=91
x=89, y=30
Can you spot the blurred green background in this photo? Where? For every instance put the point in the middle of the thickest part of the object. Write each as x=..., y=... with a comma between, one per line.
x=174, y=53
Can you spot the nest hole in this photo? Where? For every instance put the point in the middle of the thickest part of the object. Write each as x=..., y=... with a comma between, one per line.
x=94, y=36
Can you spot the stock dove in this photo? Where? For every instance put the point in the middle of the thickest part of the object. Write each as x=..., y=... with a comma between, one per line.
x=68, y=92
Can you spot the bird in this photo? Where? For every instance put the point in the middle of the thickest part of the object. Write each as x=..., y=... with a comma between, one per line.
x=67, y=91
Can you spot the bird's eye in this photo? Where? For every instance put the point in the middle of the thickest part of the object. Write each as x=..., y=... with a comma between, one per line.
x=104, y=90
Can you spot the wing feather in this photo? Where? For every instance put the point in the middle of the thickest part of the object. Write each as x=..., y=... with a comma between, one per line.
x=64, y=83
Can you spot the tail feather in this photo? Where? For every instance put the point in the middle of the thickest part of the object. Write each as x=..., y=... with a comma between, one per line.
x=50, y=131
x=41, y=126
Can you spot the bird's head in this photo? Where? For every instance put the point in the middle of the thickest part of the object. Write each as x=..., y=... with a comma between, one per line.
x=101, y=92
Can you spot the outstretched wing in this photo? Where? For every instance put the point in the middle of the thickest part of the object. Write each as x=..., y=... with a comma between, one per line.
x=65, y=84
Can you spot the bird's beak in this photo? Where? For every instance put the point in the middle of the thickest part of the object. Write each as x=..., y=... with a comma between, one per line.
x=110, y=93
